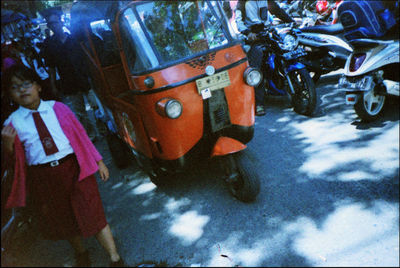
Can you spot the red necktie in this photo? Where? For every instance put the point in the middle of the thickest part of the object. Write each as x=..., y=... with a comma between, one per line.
x=48, y=143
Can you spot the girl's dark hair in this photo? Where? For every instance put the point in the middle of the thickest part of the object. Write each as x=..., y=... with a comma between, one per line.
x=21, y=72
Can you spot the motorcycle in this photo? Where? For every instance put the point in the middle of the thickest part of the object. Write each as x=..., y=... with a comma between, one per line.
x=322, y=37
x=283, y=72
x=176, y=90
x=371, y=72
x=327, y=49
x=327, y=12
x=296, y=8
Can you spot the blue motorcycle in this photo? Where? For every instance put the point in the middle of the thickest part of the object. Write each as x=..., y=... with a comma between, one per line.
x=283, y=71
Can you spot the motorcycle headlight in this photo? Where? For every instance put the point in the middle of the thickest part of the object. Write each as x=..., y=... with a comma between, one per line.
x=289, y=43
x=252, y=76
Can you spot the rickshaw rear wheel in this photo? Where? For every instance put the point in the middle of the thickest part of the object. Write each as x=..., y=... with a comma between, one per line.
x=119, y=150
x=242, y=179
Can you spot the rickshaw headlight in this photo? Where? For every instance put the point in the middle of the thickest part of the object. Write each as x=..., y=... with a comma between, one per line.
x=169, y=107
x=252, y=76
x=173, y=109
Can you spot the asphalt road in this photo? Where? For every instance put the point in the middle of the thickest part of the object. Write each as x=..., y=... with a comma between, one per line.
x=329, y=197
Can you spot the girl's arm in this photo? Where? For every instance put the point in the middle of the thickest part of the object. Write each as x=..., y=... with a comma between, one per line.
x=103, y=171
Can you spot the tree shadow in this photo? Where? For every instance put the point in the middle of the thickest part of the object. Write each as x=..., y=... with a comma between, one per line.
x=195, y=221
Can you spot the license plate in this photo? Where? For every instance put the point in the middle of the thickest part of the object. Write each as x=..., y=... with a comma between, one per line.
x=294, y=54
x=364, y=84
x=213, y=82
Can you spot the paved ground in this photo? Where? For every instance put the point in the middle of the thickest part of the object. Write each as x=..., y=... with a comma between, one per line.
x=329, y=197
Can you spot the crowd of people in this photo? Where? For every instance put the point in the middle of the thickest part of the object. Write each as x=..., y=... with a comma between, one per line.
x=25, y=47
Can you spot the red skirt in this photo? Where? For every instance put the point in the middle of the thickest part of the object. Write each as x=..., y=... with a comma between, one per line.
x=65, y=206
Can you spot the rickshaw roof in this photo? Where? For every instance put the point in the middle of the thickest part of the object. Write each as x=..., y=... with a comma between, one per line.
x=95, y=10
x=83, y=12
x=198, y=38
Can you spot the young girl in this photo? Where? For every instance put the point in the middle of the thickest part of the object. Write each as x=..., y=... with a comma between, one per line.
x=55, y=163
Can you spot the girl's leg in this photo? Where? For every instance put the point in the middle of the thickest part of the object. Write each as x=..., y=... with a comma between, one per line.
x=106, y=239
x=81, y=254
x=77, y=244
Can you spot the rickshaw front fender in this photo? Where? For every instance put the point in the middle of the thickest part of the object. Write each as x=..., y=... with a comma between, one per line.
x=226, y=145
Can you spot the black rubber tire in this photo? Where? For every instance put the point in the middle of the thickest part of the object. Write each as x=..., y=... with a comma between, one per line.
x=305, y=98
x=247, y=187
x=366, y=114
x=119, y=150
x=160, y=178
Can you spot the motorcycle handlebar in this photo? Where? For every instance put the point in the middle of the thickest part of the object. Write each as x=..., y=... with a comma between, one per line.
x=266, y=29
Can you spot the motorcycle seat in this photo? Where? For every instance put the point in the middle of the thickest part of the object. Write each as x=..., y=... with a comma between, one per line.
x=332, y=29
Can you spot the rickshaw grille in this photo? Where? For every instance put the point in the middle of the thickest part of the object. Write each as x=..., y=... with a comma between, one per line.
x=219, y=115
x=218, y=111
x=202, y=62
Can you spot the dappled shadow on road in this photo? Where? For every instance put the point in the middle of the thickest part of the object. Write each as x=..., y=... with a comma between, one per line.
x=329, y=197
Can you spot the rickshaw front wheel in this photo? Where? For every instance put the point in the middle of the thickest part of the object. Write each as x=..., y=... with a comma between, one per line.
x=160, y=177
x=241, y=177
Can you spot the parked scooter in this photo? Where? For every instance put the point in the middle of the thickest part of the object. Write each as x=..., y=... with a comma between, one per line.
x=327, y=49
x=372, y=71
x=284, y=73
x=370, y=74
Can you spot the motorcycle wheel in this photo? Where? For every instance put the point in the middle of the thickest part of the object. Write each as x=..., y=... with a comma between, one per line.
x=304, y=99
x=242, y=180
x=369, y=106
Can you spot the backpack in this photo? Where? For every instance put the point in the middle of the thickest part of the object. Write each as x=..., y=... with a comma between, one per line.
x=365, y=19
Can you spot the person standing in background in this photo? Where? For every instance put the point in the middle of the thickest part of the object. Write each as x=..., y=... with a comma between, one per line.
x=253, y=12
x=63, y=54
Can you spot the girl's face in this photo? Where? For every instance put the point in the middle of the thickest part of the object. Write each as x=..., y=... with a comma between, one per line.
x=25, y=93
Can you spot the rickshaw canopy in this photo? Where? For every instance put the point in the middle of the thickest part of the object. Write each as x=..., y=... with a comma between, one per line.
x=155, y=34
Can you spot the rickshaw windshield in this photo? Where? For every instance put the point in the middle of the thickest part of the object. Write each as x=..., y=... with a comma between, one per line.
x=157, y=33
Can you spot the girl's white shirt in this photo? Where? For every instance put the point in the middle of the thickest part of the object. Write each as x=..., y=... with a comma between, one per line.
x=23, y=123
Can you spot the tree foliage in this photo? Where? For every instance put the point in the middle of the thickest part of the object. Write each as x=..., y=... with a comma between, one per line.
x=30, y=7
x=176, y=26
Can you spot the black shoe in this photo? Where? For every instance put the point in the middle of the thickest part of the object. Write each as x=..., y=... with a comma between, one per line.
x=119, y=263
x=82, y=259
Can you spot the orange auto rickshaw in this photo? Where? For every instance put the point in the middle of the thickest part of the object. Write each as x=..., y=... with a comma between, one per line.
x=173, y=83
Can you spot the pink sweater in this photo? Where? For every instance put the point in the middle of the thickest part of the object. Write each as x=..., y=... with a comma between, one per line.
x=86, y=154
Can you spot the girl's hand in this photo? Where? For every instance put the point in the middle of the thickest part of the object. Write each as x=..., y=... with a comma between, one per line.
x=8, y=134
x=103, y=171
